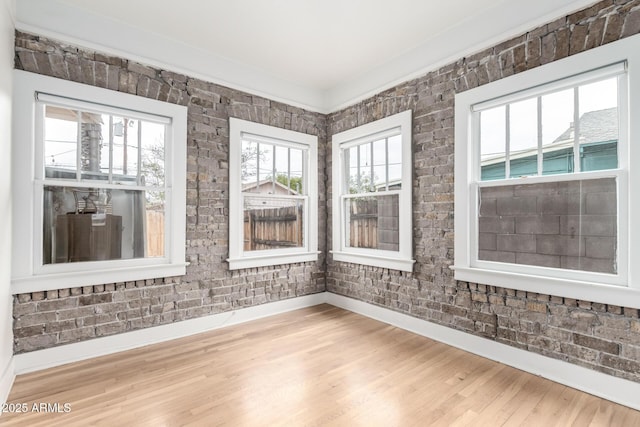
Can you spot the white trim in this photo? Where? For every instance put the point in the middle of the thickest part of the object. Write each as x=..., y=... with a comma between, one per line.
x=27, y=273
x=61, y=355
x=6, y=381
x=238, y=258
x=400, y=123
x=593, y=382
x=615, y=389
x=563, y=282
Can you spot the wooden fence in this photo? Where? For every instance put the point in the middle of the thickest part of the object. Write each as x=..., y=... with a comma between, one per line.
x=155, y=233
x=373, y=223
x=273, y=228
x=363, y=223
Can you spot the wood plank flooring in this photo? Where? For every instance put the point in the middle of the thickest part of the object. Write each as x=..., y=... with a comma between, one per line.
x=319, y=366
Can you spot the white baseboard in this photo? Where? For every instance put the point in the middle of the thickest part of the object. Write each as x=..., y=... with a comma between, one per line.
x=6, y=381
x=617, y=390
x=608, y=387
x=56, y=356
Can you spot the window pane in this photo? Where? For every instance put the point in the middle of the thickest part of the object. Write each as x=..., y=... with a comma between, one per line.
x=93, y=225
x=568, y=225
x=249, y=166
x=523, y=138
x=492, y=143
x=266, y=180
x=395, y=162
x=372, y=222
x=379, y=155
x=60, y=142
x=152, y=154
x=366, y=168
x=599, y=125
x=557, y=132
x=273, y=223
x=297, y=170
x=353, y=168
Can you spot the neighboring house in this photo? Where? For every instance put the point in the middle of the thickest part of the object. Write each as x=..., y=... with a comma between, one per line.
x=598, y=149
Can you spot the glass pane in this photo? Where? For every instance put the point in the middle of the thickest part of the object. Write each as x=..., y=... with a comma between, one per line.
x=94, y=225
x=249, y=166
x=492, y=143
x=60, y=142
x=379, y=155
x=266, y=180
x=372, y=222
x=395, y=162
x=569, y=225
x=366, y=168
x=599, y=125
x=557, y=132
x=273, y=223
x=152, y=154
x=282, y=169
x=523, y=138
x=351, y=160
x=297, y=170
x=94, y=146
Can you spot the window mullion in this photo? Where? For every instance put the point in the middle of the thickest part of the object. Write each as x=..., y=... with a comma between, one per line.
x=79, y=148
x=386, y=164
x=507, y=147
x=540, y=154
x=110, y=149
x=576, y=130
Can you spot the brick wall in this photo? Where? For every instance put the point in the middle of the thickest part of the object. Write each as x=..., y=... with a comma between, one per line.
x=597, y=336
x=46, y=319
x=602, y=337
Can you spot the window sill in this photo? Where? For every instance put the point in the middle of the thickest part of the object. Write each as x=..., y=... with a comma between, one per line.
x=270, y=260
x=401, y=264
x=47, y=282
x=622, y=296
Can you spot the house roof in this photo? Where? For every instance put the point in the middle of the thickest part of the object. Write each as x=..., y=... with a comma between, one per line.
x=595, y=126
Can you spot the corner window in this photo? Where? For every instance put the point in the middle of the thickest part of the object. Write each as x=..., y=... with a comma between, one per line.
x=372, y=194
x=273, y=195
x=104, y=198
x=542, y=200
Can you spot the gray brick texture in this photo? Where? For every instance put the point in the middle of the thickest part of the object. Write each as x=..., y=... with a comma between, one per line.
x=601, y=337
x=528, y=224
x=46, y=319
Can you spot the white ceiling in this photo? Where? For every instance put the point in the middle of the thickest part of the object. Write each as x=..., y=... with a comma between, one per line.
x=318, y=54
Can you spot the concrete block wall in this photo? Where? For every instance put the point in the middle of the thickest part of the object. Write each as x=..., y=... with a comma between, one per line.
x=601, y=337
x=46, y=319
x=560, y=225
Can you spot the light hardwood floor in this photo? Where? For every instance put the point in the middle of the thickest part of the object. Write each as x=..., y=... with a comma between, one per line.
x=312, y=367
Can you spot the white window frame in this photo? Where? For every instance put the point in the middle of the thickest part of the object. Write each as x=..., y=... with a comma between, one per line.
x=622, y=288
x=28, y=273
x=402, y=259
x=238, y=257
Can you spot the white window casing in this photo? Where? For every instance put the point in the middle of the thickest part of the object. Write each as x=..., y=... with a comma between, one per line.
x=242, y=130
x=620, y=60
x=402, y=259
x=29, y=274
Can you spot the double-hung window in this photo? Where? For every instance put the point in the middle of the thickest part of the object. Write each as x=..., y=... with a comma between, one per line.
x=99, y=185
x=273, y=195
x=372, y=194
x=544, y=172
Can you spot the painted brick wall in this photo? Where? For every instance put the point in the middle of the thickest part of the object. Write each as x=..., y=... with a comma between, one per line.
x=46, y=319
x=597, y=336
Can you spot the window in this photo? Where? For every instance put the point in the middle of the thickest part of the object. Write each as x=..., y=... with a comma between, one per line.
x=104, y=198
x=542, y=197
x=372, y=194
x=273, y=196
